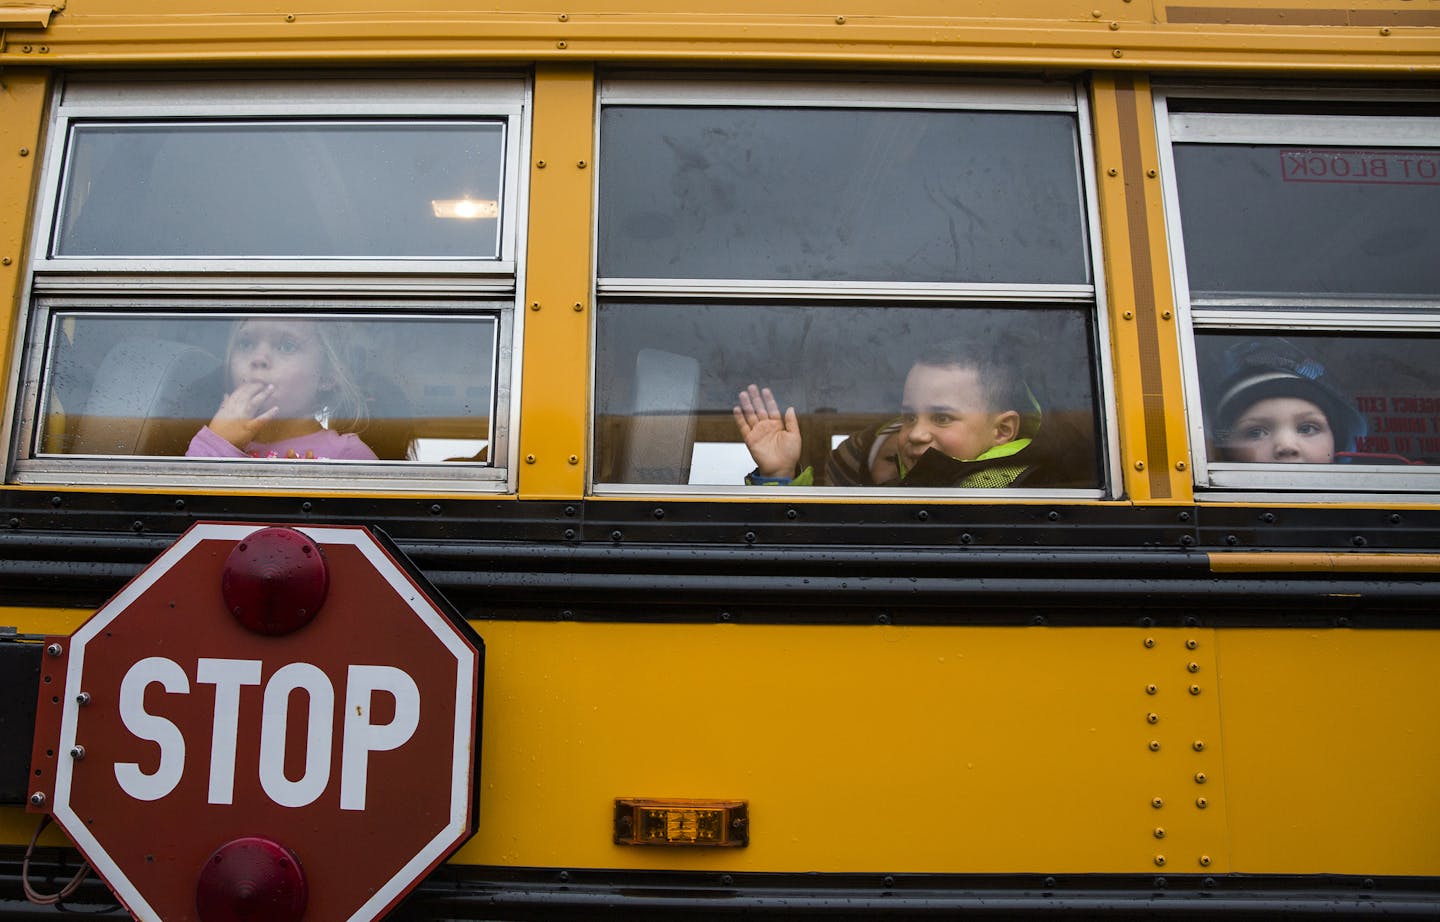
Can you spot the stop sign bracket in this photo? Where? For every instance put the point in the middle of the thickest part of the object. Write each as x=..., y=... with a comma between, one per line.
x=49, y=706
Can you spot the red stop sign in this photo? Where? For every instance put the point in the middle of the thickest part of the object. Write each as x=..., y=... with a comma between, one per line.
x=235, y=751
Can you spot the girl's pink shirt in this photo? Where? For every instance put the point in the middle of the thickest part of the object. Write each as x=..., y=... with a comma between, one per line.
x=324, y=445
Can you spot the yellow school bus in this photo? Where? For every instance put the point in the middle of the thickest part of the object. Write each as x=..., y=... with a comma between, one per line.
x=846, y=535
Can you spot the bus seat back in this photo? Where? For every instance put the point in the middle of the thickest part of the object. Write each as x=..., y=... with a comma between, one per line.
x=150, y=396
x=661, y=434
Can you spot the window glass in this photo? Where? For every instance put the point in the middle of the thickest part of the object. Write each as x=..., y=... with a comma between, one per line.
x=1283, y=219
x=231, y=385
x=793, y=193
x=282, y=189
x=673, y=371
x=1353, y=399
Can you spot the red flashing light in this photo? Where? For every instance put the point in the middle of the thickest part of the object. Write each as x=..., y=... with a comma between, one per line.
x=251, y=879
x=275, y=581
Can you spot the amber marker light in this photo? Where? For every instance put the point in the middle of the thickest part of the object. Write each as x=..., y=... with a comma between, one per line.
x=646, y=821
x=465, y=209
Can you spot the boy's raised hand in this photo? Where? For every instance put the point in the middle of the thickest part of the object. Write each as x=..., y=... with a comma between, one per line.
x=773, y=438
x=243, y=413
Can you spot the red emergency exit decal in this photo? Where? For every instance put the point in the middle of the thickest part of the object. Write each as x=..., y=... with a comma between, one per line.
x=1385, y=167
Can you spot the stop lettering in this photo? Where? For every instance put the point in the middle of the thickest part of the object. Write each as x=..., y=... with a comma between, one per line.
x=328, y=735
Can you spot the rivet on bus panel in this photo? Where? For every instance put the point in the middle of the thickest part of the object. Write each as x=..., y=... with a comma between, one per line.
x=1166, y=315
x=1114, y=26
x=1151, y=689
x=1198, y=745
x=1117, y=53
x=839, y=20
x=1159, y=833
x=1201, y=803
x=1139, y=465
x=1152, y=172
x=1204, y=861
x=24, y=151
x=563, y=17
x=529, y=459
x=1193, y=667
x=1194, y=689
x=289, y=17
x=562, y=45
x=1200, y=778
x=574, y=459
x=539, y=164
x=1152, y=717
x=1112, y=172
x=534, y=305
x=1157, y=803
x=1179, y=465
x=1191, y=644
x=1128, y=315
x=1149, y=642
x=1154, y=745
x=5, y=261
x=580, y=164
x=1160, y=861
x=1096, y=13
x=577, y=307
x=1384, y=30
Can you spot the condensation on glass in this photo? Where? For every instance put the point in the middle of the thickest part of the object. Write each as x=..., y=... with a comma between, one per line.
x=308, y=189
x=1308, y=219
x=725, y=192
x=818, y=240
x=673, y=372
x=133, y=384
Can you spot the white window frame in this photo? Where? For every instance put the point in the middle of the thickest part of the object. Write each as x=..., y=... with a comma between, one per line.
x=1272, y=316
x=659, y=88
x=393, y=286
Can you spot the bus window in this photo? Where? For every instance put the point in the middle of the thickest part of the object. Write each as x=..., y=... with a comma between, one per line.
x=171, y=385
x=819, y=241
x=1354, y=400
x=1323, y=330
x=205, y=215
x=674, y=372
x=247, y=189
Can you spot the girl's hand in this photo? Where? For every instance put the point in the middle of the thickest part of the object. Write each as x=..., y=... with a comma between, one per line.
x=243, y=413
x=773, y=438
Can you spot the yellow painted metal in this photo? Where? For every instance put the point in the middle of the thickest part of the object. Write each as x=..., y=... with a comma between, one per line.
x=926, y=749
x=558, y=306
x=1284, y=562
x=1359, y=36
x=22, y=110
x=1144, y=334
x=1331, y=743
x=24, y=16
x=44, y=620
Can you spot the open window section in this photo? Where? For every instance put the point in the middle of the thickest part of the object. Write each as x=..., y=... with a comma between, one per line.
x=1305, y=238
x=283, y=283
x=908, y=266
x=217, y=390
